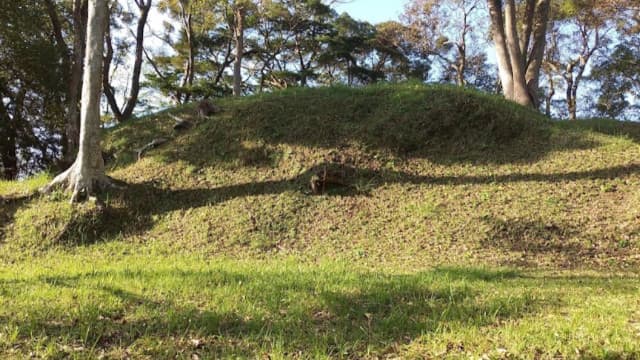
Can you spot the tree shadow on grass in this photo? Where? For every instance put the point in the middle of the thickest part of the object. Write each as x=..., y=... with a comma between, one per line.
x=464, y=140
x=626, y=129
x=132, y=210
x=446, y=125
x=342, y=315
x=569, y=244
x=8, y=208
x=535, y=237
x=336, y=316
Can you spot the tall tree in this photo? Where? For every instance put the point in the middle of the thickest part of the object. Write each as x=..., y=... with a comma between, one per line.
x=239, y=13
x=619, y=70
x=201, y=52
x=72, y=61
x=550, y=70
x=519, y=53
x=31, y=91
x=581, y=31
x=240, y=16
x=289, y=37
x=347, y=48
x=175, y=74
x=87, y=174
x=449, y=32
x=126, y=111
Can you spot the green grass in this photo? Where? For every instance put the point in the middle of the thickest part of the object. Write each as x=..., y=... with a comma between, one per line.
x=144, y=306
x=470, y=227
x=14, y=189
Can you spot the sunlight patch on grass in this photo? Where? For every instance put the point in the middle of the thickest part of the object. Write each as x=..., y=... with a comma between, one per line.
x=10, y=189
x=148, y=306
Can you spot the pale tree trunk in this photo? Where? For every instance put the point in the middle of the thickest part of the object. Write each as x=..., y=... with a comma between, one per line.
x=574, y=72
x=189, y=70
x=519, y=58
x=520, y=91
x=87, y=174
x=549, y=95
x=502, y=53
x=461, y=63
x=537, y=48
x=549, y=68
x=572, y=86
x=239, y=39
x=132, y=100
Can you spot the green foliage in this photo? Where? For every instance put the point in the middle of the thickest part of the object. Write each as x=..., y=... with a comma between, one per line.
x=31, y=90
x=620, y=75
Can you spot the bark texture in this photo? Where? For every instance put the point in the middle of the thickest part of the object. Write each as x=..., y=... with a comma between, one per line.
x=519, y=54
x=8, y=148
x=87, y=174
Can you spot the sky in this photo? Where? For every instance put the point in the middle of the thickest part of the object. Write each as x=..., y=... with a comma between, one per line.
x=373, y=11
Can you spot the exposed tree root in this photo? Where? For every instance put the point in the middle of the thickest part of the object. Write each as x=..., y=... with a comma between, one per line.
x=81, y=185
x=152, y=145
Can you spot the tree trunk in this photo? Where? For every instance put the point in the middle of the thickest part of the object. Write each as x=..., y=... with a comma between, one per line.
x=303, y=65
x=572, y=106
x=549, y=96
x=574, y=72
x=87, y=174
x=536, y=55
x=505, y=72
x=75, y=82
x=183, y=95
x=8, y=152
x=572, y=91
x=520, y=91
x=72, y=64
x=109, y=91
x=527, y=27
x=8, y=156
x=239, y=38
x=519, y=66
x=461, y=62
x=125, y=113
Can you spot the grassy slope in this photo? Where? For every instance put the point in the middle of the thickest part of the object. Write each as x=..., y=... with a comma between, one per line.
x=217, y=247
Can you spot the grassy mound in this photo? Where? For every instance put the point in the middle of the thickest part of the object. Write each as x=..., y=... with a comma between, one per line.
x=441, y=123
x=430, y=170
x=246, y=260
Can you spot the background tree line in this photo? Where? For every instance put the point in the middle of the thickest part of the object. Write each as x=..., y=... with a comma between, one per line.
x=565, y=57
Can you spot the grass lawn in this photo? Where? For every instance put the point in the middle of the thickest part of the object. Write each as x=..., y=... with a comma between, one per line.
x=467, y=227
x=145, y=306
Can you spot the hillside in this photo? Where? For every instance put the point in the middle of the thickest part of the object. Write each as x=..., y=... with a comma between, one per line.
x=463, y=225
